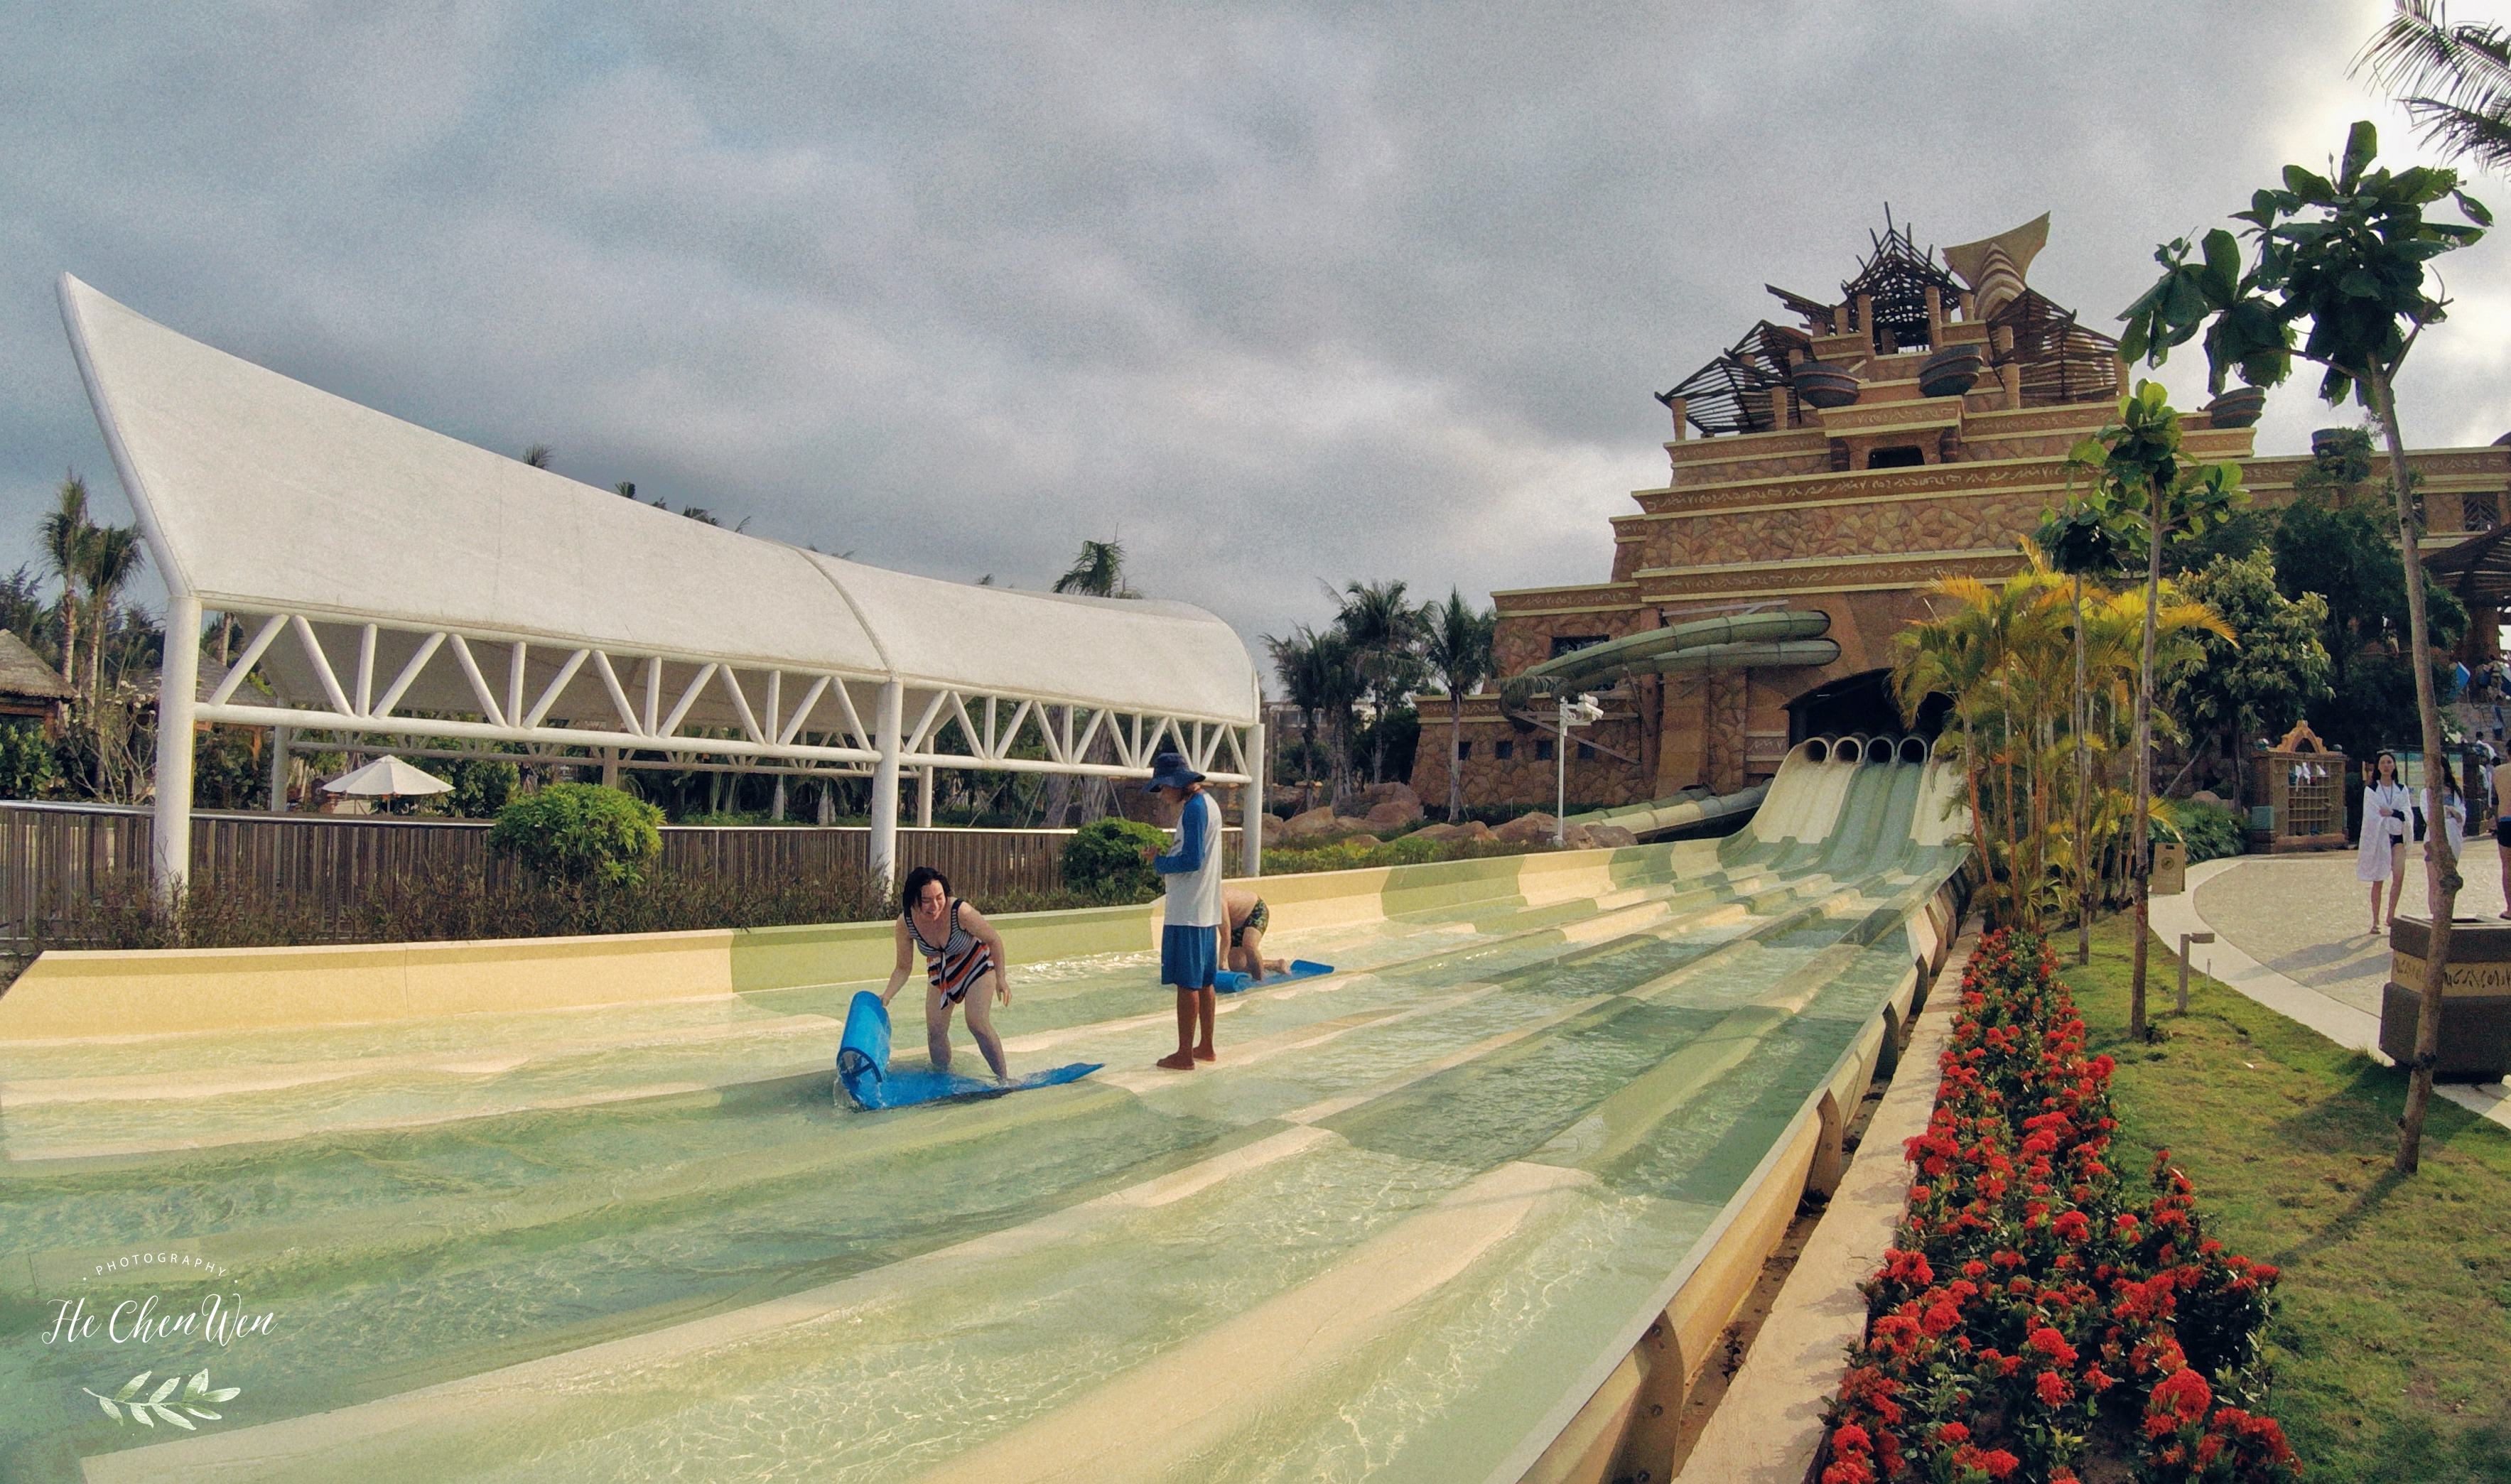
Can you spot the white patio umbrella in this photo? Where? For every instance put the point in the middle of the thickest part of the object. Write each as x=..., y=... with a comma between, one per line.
x=387, y=777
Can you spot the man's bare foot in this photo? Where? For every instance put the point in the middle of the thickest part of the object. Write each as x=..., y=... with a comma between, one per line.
x=1179, y=1061
x=1205, y=1053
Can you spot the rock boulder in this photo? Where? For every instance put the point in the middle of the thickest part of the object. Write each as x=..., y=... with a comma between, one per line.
x=1525, y=829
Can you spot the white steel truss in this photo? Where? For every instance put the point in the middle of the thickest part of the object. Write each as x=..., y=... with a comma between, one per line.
x=443, y=684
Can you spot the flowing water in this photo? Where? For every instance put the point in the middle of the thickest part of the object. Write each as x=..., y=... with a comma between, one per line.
x=1414, y=1202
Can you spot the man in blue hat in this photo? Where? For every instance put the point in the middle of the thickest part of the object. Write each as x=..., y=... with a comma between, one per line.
x=1190, y=937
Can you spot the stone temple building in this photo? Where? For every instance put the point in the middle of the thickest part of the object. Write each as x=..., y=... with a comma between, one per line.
x=1911, y=427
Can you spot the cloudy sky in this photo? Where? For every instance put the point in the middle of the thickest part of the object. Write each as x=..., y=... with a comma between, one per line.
x=1277, y=294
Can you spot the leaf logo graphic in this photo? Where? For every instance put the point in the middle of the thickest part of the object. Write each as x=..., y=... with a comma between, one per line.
x=149, y=1410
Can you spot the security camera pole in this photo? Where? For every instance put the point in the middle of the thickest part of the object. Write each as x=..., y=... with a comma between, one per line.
x=1572, y=713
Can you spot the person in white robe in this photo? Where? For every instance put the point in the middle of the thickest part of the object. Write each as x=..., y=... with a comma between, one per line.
x=2386, y=807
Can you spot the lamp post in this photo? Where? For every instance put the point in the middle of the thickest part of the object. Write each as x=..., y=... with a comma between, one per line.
x=1578, y=712
x=2185, y=940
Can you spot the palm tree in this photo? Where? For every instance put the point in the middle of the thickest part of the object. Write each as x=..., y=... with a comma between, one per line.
x=113, y=557
x=1097, y=572
x=1975, y=653
x=539, y=455
x=1317, y=674
x=1303, y=681
x=2084, y=538
x=66, y=535
x=1385, y=634
x=1459, y=651
x=2455, y=80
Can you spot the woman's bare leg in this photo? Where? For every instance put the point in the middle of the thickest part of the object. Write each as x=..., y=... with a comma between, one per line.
x=2397, y=879
x=981, y=1023
x=936, y=1028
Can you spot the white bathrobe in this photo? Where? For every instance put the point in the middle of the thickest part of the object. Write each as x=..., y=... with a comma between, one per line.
x=2384, y=823
x=2456, y=813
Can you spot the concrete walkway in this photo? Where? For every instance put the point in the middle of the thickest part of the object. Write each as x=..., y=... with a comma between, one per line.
x=2292, y=932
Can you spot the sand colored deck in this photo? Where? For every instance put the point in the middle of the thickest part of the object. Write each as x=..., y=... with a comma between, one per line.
x=1467, y=1210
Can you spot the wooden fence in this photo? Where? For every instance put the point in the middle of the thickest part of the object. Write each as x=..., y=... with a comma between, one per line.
x=56, y=858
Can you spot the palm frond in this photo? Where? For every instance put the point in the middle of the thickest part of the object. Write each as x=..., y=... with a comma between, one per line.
x=2455, y=80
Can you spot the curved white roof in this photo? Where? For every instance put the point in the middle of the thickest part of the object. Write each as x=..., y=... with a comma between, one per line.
x=261, y=494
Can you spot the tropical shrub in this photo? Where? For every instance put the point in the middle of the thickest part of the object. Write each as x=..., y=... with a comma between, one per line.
x=1104, y=860
x=2031, y=1291
x=2210, y=831
x=27, y=770
x=581, y=832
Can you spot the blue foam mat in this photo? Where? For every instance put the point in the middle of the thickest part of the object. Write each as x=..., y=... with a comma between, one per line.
x=1231, y=982
x=863, y=1067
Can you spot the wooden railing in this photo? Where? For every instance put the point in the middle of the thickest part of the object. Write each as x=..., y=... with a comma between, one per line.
x=55, y=858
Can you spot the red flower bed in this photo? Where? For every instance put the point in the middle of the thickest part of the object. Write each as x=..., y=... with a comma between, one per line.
x=2032, y=1297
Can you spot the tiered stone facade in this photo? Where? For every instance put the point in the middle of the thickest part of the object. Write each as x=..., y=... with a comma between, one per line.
x=1803, y=516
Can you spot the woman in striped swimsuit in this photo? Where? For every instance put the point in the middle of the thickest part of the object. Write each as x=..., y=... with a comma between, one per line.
x=963, y=964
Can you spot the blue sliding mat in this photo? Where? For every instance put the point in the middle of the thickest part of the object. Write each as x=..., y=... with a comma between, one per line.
x=862, y=1066
x=1231, y=982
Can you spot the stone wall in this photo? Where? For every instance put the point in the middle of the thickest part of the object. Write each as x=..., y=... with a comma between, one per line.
x=1952, y=524
x=1523, y=777
x=1525, y=639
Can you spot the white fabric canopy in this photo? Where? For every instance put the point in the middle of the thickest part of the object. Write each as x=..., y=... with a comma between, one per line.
x=260, y=494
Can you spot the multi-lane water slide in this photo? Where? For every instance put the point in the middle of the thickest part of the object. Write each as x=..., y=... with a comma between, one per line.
x=1475, y=1207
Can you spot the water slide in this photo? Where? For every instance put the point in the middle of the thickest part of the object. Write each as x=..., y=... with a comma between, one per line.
x=1780, y=637
x=1776, y=638
x=1471, y=1208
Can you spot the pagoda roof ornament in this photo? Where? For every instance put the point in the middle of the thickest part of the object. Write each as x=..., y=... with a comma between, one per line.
x=1995, y=267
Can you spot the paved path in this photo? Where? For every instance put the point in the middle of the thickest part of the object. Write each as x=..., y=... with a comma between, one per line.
x=2293, y=933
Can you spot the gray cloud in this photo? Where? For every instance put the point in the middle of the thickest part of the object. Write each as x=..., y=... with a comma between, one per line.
x=1281, y=295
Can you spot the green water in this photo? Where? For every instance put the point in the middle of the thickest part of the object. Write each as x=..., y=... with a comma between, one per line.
x=416, y=1204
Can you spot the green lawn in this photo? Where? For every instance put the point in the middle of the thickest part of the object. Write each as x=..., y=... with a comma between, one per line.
x=2392, y=1345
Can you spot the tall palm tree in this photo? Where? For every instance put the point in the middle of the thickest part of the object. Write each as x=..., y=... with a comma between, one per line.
x=540, y=455
x=1973, y=651
x=2455, y=80
x=1458, y=648
x=1099, y=571
x=113, y=557
x=1301, y=665
x=66, y=533
x=1386, y=633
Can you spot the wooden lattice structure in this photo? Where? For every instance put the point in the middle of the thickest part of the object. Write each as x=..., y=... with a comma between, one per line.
x=1745, y=388
x=2301, y=781
x=2061, y=361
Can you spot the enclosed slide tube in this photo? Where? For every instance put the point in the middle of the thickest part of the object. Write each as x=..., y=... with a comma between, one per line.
x=1743, y=638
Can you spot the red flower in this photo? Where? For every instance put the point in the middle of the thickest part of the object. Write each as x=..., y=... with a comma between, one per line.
x=2183, y=1397
x=1851, y=1438
x=2051, y=1344
x=2054, y=1388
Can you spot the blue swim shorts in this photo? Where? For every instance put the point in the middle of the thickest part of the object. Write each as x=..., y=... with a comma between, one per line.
x=1188, y=957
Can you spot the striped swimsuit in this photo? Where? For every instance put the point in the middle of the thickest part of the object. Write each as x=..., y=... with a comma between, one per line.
x=958, y=963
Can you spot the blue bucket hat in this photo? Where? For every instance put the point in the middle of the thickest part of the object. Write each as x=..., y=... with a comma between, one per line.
x=1169, y=771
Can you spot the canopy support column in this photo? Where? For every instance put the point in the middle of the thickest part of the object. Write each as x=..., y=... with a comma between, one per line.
x=923, y=798
x=279, y=739
x=1252, y=812
x=884, y=784
x=177, y=693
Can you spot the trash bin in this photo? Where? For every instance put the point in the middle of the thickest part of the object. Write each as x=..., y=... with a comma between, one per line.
x=2169, y=869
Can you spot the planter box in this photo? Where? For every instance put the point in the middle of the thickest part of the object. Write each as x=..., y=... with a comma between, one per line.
x=2474, y=998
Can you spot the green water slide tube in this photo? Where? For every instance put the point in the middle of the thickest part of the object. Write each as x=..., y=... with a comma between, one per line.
x=1782, y=637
